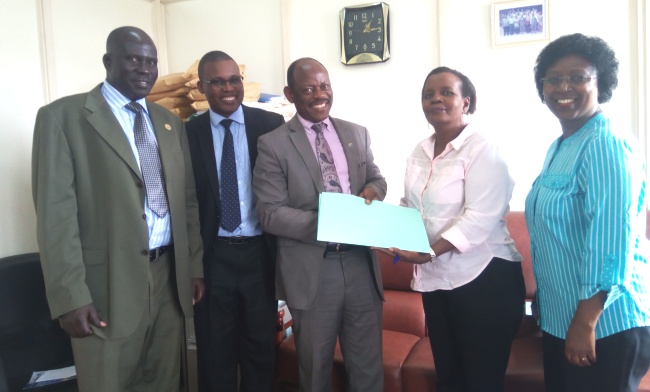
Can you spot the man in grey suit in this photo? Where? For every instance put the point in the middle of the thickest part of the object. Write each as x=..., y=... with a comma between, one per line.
x=332, y=290
x=117, y=224
x=236, y=323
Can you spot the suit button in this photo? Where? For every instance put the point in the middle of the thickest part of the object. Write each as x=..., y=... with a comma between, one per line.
x=144, y=216
x=139, y=185
x=144, y=252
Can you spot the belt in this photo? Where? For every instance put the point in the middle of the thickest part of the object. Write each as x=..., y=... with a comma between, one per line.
x=338, y=248
x=239, y=240
x=154, y=254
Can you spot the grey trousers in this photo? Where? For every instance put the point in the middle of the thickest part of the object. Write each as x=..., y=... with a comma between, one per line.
x=348, y=307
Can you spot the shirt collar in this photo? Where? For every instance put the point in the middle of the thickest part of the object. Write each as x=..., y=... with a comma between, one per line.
x=307, y=124
x=237, y=116
x=469, y=130
x=464, y=135
x=118, y=100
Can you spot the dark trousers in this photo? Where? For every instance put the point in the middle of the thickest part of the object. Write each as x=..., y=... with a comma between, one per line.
x=235, y=323
x=622, y=359
x=471, y=328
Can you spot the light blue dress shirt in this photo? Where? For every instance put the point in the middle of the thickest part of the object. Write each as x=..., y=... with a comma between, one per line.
x=160, y=230
x=586, y=214
x=250, y=225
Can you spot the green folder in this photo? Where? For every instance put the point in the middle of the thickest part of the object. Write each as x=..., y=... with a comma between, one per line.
x=348, y=219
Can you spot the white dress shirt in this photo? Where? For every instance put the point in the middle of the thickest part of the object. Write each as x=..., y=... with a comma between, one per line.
x=463, y=196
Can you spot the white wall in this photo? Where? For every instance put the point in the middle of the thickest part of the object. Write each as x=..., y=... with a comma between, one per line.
x=508, y=104
x=268, y=35
x=425, y=34
x=76, y=39
x=250, y=31
x=21, y=87
x=50, y=48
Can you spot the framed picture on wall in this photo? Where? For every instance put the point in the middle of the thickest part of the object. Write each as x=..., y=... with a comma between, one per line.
x=519, y=22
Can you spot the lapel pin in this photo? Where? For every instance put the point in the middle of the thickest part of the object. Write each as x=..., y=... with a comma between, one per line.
x=168, y=127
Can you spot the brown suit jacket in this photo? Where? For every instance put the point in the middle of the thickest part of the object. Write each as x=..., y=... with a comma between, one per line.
x=89, y=198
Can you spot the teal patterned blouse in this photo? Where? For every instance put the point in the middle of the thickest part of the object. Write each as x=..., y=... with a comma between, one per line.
x=586, y=214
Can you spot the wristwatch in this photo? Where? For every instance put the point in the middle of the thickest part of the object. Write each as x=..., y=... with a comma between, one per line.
x=433, y=255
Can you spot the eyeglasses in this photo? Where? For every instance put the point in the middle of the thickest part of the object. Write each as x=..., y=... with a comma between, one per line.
x=573, y=80
x=235, y=81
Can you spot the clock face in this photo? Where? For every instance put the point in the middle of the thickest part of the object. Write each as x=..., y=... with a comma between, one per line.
x=364, y=34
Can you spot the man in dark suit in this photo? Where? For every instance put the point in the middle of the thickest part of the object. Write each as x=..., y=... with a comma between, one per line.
x=117, y=224
x=332, y=290
x=235, y=325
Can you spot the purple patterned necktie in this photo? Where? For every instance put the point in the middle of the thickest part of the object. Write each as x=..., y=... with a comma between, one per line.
x=150, y=165
x=230, y=210
x=331, y=180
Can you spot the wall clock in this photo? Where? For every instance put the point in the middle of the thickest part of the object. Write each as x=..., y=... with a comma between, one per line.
x=364, y=34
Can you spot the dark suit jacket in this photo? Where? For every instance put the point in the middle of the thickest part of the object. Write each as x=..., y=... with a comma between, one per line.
x=89, y=199
x=287, y=181
x=199, y=132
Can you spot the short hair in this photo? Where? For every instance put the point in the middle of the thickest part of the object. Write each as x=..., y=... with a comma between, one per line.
x=215, y=55
x=118, y=36
x=593, y=49
x=467, y=87
x=292, y=69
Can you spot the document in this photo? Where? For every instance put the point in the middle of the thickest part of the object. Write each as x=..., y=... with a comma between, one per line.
x=48, y=377
x=349, y=220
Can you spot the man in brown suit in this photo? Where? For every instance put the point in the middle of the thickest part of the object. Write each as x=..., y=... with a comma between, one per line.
x=119, y=277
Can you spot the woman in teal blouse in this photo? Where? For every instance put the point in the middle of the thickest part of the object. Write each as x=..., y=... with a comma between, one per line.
x=586, y=213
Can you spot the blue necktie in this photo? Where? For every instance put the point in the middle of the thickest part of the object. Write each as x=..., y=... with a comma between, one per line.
x=230, y=210
x=150, y=165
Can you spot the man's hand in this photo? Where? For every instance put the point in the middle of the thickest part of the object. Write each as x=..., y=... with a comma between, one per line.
x=198, y=288
x=76, y=323
x=369, y=194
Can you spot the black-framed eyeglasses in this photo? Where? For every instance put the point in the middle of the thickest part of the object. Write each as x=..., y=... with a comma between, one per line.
x=234, y=81
x=573, y=80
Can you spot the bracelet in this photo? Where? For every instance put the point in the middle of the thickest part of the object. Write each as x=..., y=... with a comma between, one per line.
x=433, y=255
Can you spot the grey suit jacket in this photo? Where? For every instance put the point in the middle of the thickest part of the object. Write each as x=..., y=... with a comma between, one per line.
x=287, y=181
x=89, y=198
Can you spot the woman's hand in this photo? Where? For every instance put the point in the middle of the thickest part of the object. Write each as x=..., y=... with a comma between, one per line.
x=580, y=344
x=406, y=255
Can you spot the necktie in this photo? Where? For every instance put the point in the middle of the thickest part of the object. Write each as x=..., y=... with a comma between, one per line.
x=331, y=180
x=230, y=210
x=150, y=165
